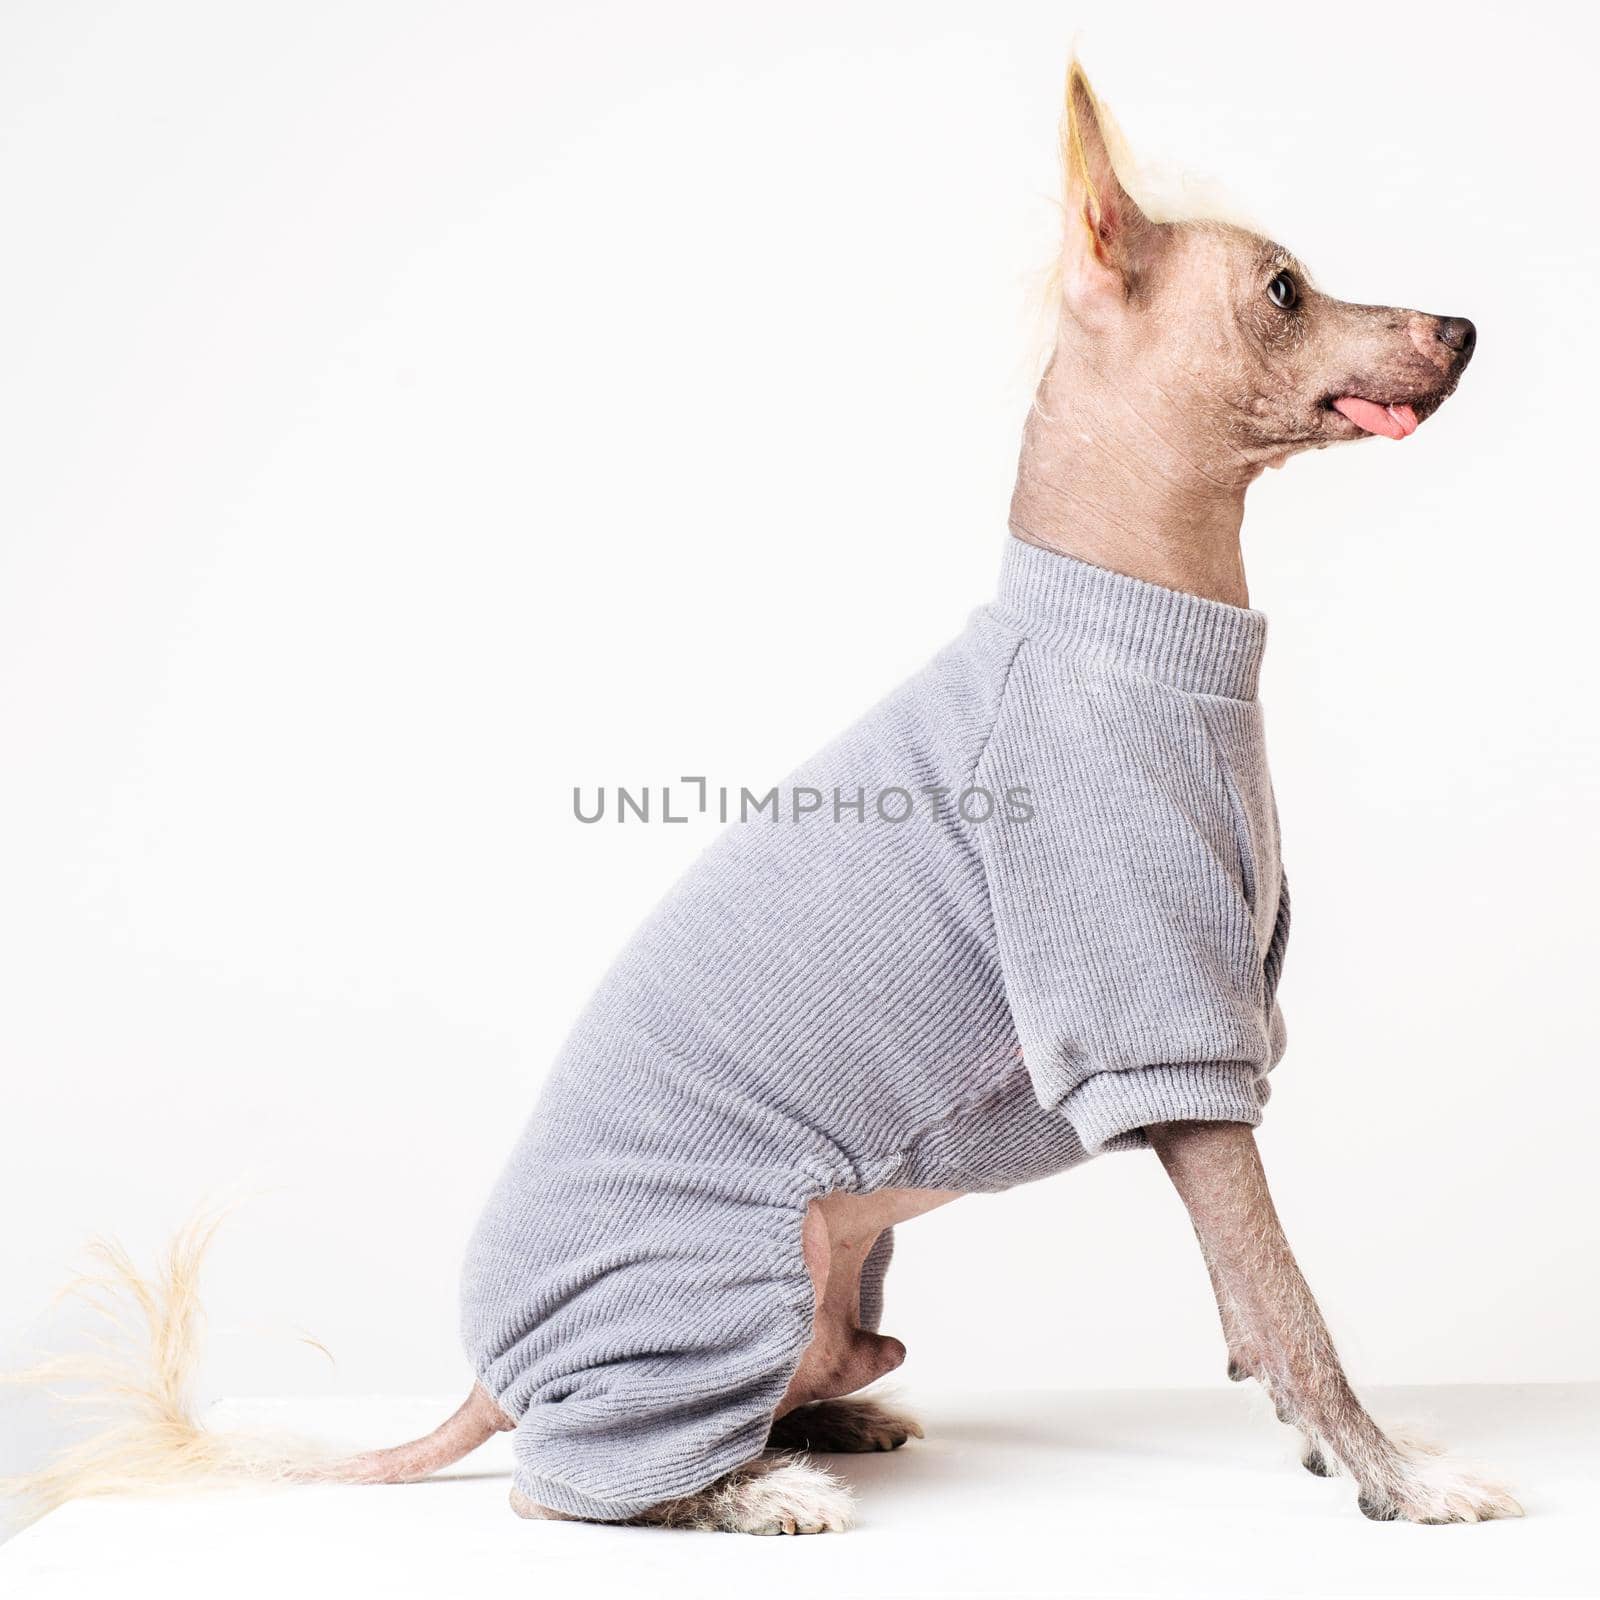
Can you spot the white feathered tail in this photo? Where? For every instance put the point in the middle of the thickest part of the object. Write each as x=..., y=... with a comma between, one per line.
x=136, y=1386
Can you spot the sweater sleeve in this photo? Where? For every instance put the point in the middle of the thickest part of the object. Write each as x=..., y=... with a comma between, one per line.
x=1137, y=958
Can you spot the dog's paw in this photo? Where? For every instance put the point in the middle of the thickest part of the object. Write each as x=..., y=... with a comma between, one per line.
x=1435, y=1488
x=842, y=1427
x=787, y=1497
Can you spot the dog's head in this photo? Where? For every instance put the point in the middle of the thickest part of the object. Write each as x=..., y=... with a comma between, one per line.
x=1227, y=325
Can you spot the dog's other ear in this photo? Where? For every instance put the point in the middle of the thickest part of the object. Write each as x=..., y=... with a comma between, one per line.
x=1106, y=233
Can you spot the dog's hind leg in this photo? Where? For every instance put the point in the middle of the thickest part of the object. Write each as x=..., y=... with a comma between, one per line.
x=772, y=1495
x=847, y=1243
x=777, y=1495
x=844, y=1427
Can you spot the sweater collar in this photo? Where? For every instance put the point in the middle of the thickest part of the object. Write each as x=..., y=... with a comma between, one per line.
x=1186, y=642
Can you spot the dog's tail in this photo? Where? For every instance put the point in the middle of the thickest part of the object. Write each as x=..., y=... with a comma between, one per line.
x=475, y=1420
x=136, y=1387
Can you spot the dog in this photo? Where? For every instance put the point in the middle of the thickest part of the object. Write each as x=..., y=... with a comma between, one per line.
x=846, y=1017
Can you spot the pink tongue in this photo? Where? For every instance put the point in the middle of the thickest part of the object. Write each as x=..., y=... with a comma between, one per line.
x=1393, y=422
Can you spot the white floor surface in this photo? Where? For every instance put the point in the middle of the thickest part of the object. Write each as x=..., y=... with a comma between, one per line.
x=1056, y=1494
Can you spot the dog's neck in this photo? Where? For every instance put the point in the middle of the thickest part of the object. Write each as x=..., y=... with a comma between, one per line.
x=1111, y=473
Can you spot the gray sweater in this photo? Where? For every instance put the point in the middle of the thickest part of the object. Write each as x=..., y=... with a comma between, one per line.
x=1038, y=907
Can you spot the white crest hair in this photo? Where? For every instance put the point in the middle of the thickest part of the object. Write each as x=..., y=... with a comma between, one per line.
x=1162, y=191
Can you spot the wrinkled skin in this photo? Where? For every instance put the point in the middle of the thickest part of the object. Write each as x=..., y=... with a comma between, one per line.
x=1238, y=371
x=1177, y=378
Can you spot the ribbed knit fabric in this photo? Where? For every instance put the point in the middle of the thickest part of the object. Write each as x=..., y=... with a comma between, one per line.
x=837, y=1000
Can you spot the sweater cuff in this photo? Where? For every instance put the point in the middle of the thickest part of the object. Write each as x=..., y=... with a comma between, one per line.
x=1111, y=1105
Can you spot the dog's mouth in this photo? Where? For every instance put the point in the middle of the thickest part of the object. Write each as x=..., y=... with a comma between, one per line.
x=1355, y=416
x=1371, y=416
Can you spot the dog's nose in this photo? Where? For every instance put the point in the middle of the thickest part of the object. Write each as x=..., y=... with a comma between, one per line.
x=1458, y=334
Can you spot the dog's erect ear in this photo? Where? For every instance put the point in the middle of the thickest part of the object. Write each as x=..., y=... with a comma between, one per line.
x=1106, y=234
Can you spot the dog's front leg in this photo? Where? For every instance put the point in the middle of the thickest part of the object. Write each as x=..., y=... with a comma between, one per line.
x=1276, y=1334
x=1241, y=1358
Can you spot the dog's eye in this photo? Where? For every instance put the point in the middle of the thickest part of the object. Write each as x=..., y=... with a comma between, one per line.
x=1283, y=291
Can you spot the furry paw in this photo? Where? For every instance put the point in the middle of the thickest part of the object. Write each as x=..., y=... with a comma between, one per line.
x=1435, y=1488
x=776, y=1495
x=843, y=1427
x=788, y=1497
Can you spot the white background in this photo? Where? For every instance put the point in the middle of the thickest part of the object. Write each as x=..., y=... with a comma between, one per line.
x=413, y=410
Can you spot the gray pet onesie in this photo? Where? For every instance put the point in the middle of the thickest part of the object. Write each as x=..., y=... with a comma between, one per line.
x=860, y=995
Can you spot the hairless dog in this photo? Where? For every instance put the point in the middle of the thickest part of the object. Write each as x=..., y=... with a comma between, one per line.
x=836, y=1024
